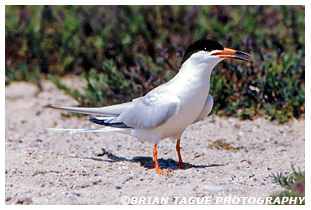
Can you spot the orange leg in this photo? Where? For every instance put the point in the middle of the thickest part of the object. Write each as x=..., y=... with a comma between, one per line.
x=180, y=162
x=155, y=157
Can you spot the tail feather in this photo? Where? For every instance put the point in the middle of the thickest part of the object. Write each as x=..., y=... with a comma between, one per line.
x=91, y=130
x=109, y=112
x=113, y=110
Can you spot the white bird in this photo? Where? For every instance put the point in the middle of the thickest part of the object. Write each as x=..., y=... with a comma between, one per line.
x=167, y=110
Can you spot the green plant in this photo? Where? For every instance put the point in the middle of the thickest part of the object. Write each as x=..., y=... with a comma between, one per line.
x=146, y=45
x=293, y=184
x=109, y=87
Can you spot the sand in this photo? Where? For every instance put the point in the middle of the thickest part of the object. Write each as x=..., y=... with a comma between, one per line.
x=229, y=157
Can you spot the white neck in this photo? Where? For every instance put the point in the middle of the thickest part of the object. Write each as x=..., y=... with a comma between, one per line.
x=196, y=73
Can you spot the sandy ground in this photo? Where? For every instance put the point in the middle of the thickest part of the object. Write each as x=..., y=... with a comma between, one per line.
x=229, y=157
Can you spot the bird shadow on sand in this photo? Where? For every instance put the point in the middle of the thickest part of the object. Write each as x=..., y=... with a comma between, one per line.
x=145, y=161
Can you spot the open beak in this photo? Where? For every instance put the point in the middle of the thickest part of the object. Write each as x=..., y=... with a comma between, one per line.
x=232, y=54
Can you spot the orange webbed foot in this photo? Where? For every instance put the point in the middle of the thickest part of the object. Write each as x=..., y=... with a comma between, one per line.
x=156, y=163
x=161, y=171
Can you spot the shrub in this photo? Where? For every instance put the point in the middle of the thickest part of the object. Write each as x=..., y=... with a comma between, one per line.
x=141, y=47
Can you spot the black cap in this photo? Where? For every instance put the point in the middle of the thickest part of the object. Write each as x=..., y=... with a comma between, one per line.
x=202, y=45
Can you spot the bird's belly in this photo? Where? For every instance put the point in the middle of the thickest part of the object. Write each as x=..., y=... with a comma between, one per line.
x=188, y=113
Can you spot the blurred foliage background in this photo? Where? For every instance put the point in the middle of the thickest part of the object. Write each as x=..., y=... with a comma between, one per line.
x=122, y=52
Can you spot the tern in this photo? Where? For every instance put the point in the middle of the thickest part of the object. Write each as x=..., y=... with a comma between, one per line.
x=167, y=110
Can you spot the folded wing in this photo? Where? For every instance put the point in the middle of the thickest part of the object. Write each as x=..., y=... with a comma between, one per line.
x=111, y=111
x=150, y=111
x=146, y=112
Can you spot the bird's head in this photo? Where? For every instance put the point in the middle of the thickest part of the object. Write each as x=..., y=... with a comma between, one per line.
x=211, y=52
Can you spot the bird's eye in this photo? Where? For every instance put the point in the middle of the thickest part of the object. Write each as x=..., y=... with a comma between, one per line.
x=205, y=49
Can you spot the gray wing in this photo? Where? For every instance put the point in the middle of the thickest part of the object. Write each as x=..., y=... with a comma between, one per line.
x=150, y=111
x=146, y=112
x=206, y=109
x=113, y=110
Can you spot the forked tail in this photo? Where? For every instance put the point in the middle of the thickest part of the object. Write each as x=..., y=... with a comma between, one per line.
x=90, y=130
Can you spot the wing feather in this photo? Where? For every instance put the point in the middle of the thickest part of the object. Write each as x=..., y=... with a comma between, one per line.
x=146, y=112
x=150, y=111
x=113, y=110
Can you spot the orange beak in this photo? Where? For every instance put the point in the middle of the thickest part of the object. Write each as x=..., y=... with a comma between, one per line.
x=224, y=54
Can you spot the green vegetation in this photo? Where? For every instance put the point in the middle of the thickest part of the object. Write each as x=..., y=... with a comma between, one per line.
x=124, y=51
x=293, y=184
